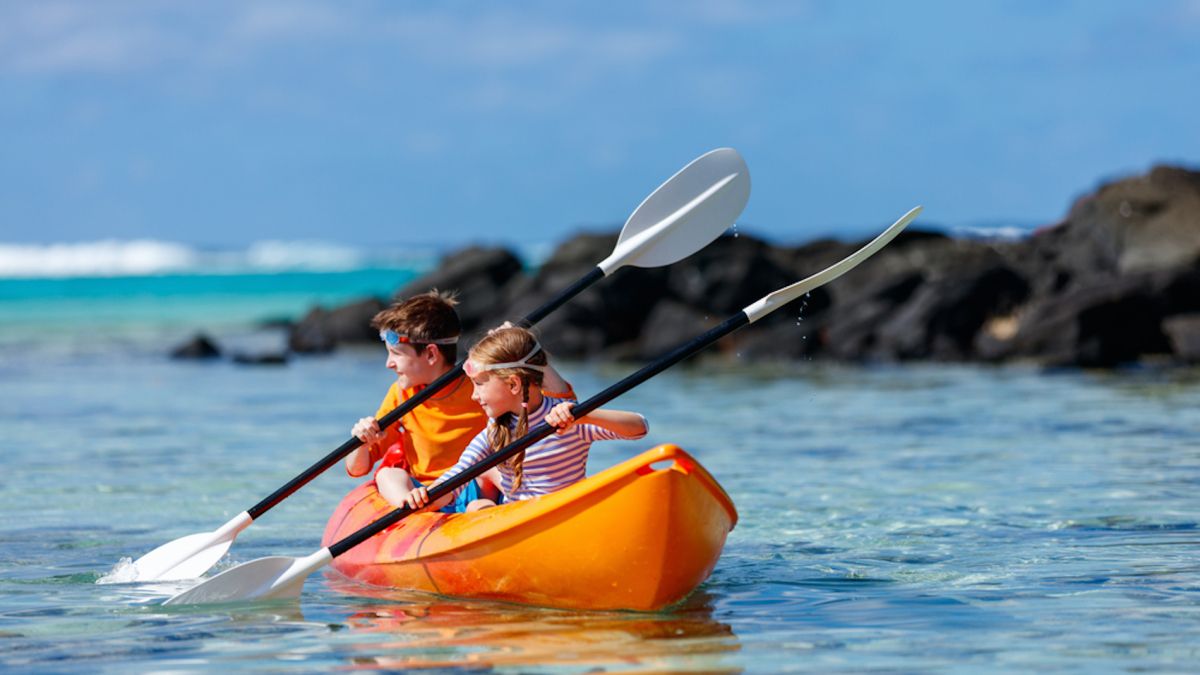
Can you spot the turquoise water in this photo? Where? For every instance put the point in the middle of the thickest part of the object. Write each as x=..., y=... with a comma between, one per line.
x=906, y=519
x=209, y=300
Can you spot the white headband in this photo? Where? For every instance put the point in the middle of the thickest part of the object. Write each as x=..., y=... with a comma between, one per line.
x=472, y=368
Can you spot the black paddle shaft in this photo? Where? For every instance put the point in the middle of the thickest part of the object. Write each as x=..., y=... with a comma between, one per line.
x=543, y=430
x=417, y=399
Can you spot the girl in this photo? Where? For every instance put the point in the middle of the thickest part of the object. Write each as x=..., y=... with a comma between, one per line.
x=507, y=368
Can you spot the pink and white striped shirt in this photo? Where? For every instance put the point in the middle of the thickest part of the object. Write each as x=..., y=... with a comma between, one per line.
x=551, y=464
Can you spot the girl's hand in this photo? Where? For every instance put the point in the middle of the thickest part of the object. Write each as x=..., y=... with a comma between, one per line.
x=418, y=498
x=367, y=430
x=560, y=417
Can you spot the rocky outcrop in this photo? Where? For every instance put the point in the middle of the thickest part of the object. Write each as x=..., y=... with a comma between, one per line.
x=201, y=346
x=1116, y=281
x=478, y=275
x=323, y=329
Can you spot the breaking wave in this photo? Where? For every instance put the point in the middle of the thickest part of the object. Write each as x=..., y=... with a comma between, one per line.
x=144, y=257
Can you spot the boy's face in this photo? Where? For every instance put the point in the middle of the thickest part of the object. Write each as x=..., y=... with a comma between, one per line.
x=414, y=368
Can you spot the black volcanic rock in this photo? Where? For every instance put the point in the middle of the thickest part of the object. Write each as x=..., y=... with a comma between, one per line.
x=726, y=275
x=323, y=329
x=479, y=277
x=670, y=324
x=200, y=346
x=608, y=315
x=1135, y=225
x=261, y=358
x=1117, y=280
x=1091, y=325
x=1184, y=333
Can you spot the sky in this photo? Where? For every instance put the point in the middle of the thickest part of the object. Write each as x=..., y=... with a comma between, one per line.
x=383, y=123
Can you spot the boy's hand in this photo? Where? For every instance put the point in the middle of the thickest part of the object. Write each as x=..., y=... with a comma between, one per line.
x=506, y=324
x=367, y=430
x=417, y=499
x=560, y=417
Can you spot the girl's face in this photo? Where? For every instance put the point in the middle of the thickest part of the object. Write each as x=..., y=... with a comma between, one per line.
x=497, y=395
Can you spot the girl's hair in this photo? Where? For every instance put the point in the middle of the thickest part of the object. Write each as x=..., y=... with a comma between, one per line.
x=505, y=346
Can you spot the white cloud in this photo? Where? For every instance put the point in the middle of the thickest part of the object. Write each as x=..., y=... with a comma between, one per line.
x=62, y=37
x=504, y=40
x=745, y=11
x=1188, y=11
x=67, y=37
x=263, y=22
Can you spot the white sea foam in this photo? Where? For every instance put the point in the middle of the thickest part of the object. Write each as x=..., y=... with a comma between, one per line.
x=121, y=573
x=307, y=255
x=94, y=259
x=991, y=232
x=113, y=258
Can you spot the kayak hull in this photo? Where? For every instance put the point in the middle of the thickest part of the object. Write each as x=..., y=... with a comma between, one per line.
x=641, y=535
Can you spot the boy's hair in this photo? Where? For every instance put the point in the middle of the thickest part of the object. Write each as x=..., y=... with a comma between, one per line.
x=428, y=316
x=508, y=345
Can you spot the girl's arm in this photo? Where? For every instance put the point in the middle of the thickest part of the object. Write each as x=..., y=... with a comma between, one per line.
x=477, y=450
x=418, y=499
x=620, y=422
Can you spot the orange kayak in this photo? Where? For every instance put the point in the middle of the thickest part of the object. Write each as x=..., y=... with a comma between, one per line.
x=641, y=535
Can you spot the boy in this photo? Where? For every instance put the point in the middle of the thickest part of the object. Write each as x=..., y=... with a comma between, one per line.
x=421, y=335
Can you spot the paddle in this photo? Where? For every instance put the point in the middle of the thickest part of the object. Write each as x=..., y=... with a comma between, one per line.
x=681, y=217
x=281, y=577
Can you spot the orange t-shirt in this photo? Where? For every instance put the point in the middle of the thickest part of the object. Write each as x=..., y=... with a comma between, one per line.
x=435, y=433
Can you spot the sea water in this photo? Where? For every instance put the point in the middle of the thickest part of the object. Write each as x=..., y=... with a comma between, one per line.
x=892, y=518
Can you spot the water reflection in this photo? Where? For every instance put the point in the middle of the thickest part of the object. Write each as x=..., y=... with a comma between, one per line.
x=399, y=629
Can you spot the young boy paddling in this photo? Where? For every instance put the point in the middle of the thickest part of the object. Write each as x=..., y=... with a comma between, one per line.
x=421, y=335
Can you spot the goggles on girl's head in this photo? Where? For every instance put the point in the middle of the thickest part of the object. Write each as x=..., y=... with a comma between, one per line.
x=393, y=339
x=471, y=368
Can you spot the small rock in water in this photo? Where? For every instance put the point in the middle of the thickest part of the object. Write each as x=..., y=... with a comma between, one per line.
x=199, y=347
x=263, y=359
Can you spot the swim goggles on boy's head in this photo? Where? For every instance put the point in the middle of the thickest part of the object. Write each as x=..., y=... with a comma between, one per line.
x=394, y=339
x=471, y=368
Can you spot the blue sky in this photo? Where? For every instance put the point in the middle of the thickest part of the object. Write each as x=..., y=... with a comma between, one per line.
x=224, y=123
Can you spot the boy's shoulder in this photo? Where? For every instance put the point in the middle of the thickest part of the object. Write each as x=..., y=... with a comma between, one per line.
x=454, y=399
x=556, y=397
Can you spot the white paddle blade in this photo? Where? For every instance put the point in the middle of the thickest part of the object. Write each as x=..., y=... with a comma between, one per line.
x=262, y=579
x=185, y=558
x=783, y=296
x=191, y=556
x=685, y=213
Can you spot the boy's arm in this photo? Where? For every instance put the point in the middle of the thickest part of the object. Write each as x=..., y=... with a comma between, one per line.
x=362, y=458
x=358, y=462
x=376, y=441
x=555, y=386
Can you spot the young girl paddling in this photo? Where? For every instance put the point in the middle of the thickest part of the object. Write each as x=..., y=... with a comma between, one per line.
x=507, y=369
x=421, y=336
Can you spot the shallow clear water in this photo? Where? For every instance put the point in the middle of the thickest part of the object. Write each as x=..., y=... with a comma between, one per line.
x=892, y=518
